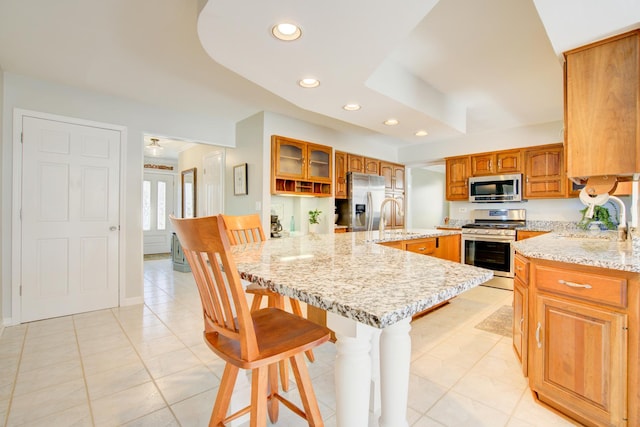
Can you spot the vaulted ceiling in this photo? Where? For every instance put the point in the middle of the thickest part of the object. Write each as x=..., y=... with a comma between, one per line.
x=450, y=67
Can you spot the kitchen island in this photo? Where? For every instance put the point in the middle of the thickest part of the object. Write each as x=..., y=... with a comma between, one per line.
x=370, y=293
x=576, y=324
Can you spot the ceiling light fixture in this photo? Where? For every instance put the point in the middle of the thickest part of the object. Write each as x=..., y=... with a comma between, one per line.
x=309, y=83
x=286, y=32
x=154, y=149
x=352, y=107
x=422, y=133
x=391, y=122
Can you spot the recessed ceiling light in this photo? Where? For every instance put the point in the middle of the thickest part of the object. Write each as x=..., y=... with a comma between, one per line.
x=391, y=122
x=352, y=107
x=422, y=133
x=286, y=32
x=309, y=83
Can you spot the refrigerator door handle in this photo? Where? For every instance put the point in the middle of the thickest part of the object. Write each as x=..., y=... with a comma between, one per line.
x=369, y=211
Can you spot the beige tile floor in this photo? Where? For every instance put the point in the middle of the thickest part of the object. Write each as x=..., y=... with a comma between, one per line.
x=146, y=365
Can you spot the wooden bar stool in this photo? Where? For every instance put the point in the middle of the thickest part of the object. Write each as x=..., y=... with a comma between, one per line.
x=243, y=229
x=256, y=340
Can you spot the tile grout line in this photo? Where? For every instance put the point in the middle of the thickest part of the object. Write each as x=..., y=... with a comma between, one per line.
x=15, y=377
x=84, y=374
x=153, y=380
x=491, y=307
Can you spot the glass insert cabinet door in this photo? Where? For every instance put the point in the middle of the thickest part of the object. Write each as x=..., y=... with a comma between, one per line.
x=319, y=166
x=290, y=159
x=302, y=160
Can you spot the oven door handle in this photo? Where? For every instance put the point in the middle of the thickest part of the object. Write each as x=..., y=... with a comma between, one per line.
x=488, y=238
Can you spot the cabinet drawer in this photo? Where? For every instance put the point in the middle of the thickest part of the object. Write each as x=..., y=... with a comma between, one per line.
x=589, y=287
x=521, y=268
x=396, y=244
x=426, y=247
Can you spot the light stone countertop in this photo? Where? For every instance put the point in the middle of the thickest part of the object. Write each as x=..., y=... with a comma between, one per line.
x=600, y=249
x=348, y=274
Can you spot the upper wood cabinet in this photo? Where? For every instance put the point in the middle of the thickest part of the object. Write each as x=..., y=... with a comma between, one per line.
x=362, y=164
x=496, y=163
x=544, y=175
x=299, y=167
x=602, y=102
x=340, y=182
x=355, y=163
x=458, y=170
x=393, y=176
x=371, y=166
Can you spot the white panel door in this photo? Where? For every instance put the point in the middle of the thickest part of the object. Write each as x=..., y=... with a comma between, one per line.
x=157, y=205
x=213, y=183
x=70, y=214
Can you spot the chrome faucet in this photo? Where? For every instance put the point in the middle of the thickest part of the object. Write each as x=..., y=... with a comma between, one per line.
x=622, y=221
x=384, y=202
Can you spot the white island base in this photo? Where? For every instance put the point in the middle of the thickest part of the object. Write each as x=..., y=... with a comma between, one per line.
x=371, y=372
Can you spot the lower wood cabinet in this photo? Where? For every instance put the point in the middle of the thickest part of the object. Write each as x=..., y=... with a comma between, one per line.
x=448, y=247
x=579, y=341
x=443, y=247
x=580, y=359
x=520, y=312
x=526, y=234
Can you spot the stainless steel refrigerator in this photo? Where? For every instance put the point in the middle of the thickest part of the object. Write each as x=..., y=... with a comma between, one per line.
x=365, y=196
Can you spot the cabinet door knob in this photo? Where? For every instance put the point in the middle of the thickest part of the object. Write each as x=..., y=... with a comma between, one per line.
x=521, y=323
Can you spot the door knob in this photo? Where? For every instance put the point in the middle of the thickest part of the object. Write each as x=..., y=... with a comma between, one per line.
x=113, y=228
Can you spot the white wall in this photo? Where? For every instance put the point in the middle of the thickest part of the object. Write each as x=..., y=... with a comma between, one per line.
x=5, y=206
x=251, y=149
x=31, y=94
x=426, y=205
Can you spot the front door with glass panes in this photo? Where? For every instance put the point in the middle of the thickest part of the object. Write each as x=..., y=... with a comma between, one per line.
x=157, y=205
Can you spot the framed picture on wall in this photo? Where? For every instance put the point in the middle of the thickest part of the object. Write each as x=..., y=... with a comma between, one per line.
x=240, y=186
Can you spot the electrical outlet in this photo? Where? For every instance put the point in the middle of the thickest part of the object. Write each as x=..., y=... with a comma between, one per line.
x=462, y=210
x=258, y=206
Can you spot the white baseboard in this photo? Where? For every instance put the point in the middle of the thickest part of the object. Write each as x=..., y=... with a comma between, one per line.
x=131, y=301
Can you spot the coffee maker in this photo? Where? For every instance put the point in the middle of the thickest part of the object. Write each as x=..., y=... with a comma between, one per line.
x=276, y=227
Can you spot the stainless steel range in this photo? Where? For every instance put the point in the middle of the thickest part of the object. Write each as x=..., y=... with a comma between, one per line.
x=486, y=242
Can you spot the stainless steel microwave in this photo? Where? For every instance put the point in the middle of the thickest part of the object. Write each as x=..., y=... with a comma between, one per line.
x=495, y=188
